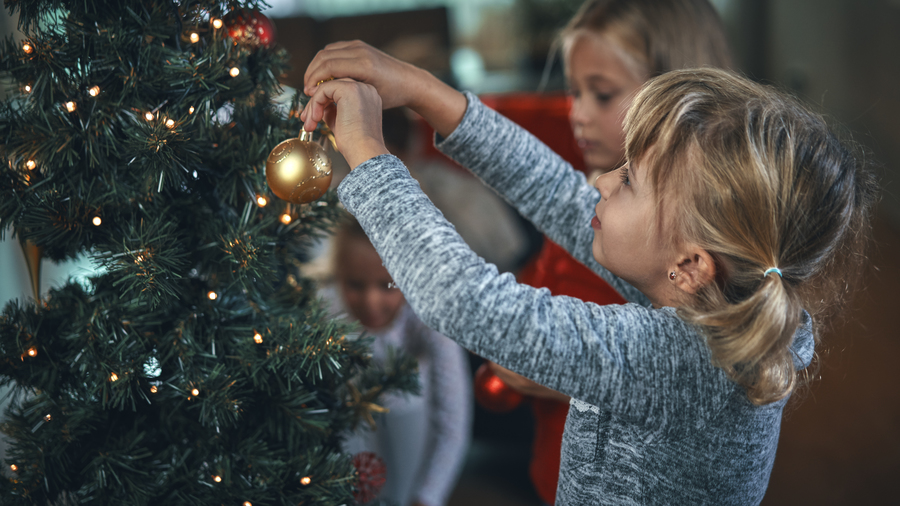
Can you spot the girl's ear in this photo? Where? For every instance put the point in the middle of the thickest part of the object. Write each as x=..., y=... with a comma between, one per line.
x=695, y=269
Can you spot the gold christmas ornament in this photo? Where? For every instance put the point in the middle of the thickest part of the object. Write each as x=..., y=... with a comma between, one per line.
x=299, y=170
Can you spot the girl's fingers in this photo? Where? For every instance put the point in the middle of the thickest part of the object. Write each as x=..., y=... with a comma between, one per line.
x=353, y=112
x=337, y=65
x=341, y=59
x=314, y=109
x=330, y=115
x=321, y=105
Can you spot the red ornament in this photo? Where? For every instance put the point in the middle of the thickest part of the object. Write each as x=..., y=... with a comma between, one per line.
x=250, y=27
x=492, y=393
x=371, y=472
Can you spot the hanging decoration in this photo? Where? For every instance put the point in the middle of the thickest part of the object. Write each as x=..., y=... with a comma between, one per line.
x=250, y=27
x=299, y=170
x=492, y=393
x=371, y=476
x=33, y=255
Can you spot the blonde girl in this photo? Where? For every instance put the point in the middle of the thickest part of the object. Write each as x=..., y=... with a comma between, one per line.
x=610, y=48
x=734, y=206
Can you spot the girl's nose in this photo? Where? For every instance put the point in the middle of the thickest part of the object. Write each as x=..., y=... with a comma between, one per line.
x=604, y=183
x=577, y=115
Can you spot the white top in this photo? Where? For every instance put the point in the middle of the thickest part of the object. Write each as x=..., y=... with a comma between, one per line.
x=424, y=438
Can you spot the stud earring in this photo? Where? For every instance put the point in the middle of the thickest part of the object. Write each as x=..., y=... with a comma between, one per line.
x=672, y=275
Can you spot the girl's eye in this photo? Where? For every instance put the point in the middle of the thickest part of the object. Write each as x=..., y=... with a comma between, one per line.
x=623, y=173
x=603, y=98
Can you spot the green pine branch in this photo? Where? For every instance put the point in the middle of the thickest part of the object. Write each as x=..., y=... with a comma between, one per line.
x=196, y=366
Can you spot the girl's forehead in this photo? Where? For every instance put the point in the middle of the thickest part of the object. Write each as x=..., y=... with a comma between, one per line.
x=607, y=47
x=601, y=50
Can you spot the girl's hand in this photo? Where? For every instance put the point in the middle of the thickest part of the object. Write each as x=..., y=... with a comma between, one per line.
x=352, y=110
x=398, y=83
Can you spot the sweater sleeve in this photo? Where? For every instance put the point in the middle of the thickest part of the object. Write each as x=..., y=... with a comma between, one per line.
x=542, y=186
x=449, y=419
x=642, y=363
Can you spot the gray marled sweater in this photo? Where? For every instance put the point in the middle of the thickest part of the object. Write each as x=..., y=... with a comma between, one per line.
x=652, y=421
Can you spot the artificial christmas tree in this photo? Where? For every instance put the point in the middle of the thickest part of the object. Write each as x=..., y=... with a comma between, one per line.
x=196, y=366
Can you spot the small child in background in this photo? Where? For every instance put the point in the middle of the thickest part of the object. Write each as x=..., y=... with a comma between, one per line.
x=423, y=439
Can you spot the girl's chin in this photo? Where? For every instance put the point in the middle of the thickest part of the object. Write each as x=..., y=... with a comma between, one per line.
x=375, y=325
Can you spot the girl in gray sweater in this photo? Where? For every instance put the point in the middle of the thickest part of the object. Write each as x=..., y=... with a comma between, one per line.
x=729, y=218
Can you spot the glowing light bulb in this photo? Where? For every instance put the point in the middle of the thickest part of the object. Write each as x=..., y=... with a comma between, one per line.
x=306, y=480
x=32, y=352
x=30, y=164
x=212, y=295
x=258, y=338
x=217, y=23
x=153, y=389
x=28, y=48
x=286, y=218
x=248, y=503
x=261, y=201
x=191, y=110
x=27, y=88
x=47, y=417
x=14, y=467
x=94, y=91
x=195, y=392
x=96, y=221
x=195, y=37
x=217, y=479
x=113, y=377
x=170, y=123
x=148, y=116
x=70, y=106
x=234, y=71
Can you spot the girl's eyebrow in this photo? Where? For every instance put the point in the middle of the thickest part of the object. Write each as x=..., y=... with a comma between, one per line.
x=599, y=79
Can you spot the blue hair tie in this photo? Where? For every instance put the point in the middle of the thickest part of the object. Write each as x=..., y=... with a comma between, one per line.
x=770, y=270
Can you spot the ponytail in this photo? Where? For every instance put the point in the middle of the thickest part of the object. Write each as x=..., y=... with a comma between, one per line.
x=750, y=340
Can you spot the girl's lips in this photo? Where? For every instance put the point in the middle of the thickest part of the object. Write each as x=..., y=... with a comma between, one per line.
x=595, y=223
x=585, y=144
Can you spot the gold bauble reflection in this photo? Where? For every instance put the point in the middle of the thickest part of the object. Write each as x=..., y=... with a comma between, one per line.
x=299, y=170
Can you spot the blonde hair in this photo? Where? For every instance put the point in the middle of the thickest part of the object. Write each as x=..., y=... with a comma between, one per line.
x=659, y=35
x=758, y=181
